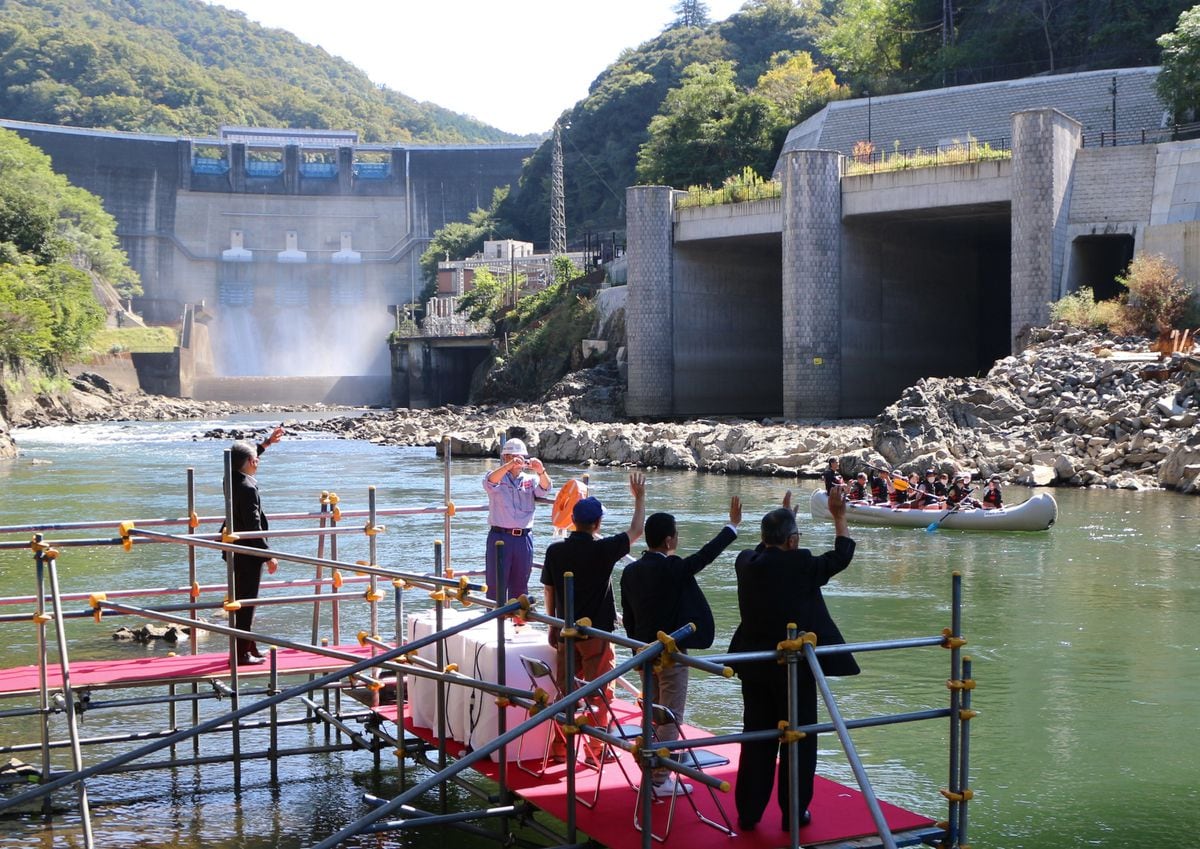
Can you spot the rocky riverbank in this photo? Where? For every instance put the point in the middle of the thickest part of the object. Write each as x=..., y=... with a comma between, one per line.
x=1072, y=410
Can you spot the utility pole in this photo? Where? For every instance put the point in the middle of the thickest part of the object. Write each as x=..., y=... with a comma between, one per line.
x=558, y=205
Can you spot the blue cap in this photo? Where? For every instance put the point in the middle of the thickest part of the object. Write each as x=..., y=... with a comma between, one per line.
x=587, y=511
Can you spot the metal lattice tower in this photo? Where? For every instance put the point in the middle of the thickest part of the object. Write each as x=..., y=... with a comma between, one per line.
x=558, y=206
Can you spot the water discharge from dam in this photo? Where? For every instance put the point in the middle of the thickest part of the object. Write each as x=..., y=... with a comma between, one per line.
x=312, y=342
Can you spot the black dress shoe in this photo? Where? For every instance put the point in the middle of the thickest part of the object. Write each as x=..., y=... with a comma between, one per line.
x=249, y=660
x=254, y=652
x=746, y=825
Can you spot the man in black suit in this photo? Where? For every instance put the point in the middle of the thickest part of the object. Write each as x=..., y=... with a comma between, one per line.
x=659, y=593
x=780, y=583
x=248, y=516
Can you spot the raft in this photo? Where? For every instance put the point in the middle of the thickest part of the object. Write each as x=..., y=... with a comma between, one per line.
x=1036, y=514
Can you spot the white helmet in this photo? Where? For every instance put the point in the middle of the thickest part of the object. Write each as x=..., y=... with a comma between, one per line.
x=515, y=447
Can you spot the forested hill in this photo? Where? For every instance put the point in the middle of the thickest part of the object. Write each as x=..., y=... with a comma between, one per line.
x=187, y=67
x=710, y=126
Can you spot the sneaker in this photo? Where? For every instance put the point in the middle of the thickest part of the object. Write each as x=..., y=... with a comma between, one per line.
x=672, y=787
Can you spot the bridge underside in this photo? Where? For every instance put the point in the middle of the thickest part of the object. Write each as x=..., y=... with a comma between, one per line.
x=923, y=294
x=728, y=329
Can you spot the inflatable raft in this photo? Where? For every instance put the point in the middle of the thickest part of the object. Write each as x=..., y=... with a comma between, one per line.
x=1036, y=514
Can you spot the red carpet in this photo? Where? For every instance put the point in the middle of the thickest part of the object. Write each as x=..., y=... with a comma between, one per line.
x=22, y=680
x=838, y=812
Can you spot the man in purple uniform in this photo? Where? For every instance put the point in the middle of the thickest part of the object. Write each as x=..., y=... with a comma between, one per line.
x=511, y=490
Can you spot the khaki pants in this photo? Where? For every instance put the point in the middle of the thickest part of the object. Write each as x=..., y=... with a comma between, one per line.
x=670, y=691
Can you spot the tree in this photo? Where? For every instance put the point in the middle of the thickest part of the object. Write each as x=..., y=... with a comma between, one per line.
x=1179, y=81
x=54, y=237
x=706, y=129
x=863, y=41
x=690, y=13
x=797, y=89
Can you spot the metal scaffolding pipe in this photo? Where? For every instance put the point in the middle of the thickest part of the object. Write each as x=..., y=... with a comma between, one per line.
x=292, y=692
x=486, y=750
x=860, y=773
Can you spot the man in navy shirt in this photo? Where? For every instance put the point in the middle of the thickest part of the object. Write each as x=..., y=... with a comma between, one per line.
x=590, y=558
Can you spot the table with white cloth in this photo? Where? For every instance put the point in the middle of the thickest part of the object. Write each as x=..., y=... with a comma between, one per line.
x=471, y=715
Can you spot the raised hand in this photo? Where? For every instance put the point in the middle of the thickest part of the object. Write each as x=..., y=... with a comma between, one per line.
x=735, y=510
x=637, y=485
x=787, y=501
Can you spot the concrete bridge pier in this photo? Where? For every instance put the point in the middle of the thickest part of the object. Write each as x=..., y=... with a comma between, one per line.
x=649, y=322
x=812, y=283
x=1044, y=145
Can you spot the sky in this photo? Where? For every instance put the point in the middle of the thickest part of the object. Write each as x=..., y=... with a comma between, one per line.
x=514, y=64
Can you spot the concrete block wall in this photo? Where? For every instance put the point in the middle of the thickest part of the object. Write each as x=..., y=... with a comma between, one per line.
x=649, y=312
x=1044, y=145
x=812, y=283
x=1113, y=184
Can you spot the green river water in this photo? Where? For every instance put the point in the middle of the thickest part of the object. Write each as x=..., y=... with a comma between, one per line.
x=1085, y=640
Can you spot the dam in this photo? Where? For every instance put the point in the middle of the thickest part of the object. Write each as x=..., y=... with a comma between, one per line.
x=278, y=251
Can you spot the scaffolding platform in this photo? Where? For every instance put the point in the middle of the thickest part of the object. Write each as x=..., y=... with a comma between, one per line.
x=840, y=817
x=157, y=670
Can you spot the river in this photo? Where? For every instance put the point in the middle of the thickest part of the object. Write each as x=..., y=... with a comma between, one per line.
x=1085, y=639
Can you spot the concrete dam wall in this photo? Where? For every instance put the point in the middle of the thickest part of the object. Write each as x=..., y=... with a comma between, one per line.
x=295, y=248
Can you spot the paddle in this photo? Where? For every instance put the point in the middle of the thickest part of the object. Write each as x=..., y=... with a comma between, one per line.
x=933, y=526
x=899, y=483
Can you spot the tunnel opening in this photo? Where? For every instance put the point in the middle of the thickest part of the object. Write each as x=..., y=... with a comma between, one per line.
x=1097, y=261
x=728, y=327
x=922, y=296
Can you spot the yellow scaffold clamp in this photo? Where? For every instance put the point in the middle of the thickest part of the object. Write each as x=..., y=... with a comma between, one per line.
x=965, y=684
x=126, y=539
x=665, y=661
x=438, y=595
x=463, y=594
x=399, y=583
x=333, y=503
x=371, y=530
x=797, y=644
x=324, y=498
x=966, y=795
x=95, y=599
x=363, y=636
x=336, y=579
x=787, y=735
x=194, y=592
x=949, y=641
x=231, y=605
x=966, y=714
x=43, y=617
x=193, y=520
x=360, y=563
x=540, y=699
x=372, y=595
x=450, y=667
x=450, y=509
x=37, y=545
x=502, y=701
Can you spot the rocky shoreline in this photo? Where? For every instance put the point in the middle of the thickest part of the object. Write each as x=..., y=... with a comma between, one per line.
x=1073, y=409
